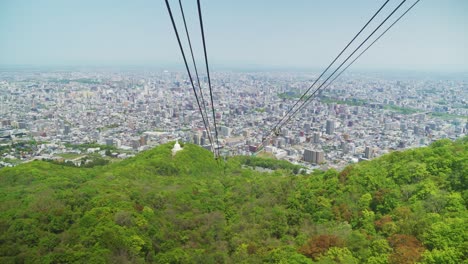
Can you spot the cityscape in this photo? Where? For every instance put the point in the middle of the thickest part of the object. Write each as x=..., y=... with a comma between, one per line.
x=233, y=132
x=52, y=114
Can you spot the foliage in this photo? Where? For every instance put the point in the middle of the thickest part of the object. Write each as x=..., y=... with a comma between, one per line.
x=404, y=207
x=294, y=94
x=353, y=102
x=86, y=146
x=402, y=110
x=268, y=163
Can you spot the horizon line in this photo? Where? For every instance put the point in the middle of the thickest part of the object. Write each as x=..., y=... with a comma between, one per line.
x=223, y=67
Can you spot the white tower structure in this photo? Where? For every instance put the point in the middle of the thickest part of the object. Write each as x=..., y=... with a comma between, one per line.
x=176, y=148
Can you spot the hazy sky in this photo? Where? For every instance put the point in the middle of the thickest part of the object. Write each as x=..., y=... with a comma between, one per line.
x=239, y=33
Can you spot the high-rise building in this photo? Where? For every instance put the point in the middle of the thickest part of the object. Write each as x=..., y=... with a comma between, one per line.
x=307, y=128
x=316, y=138
x=315, y=157
x=330, y=129
x=368, y=153
x=197, y=139
x=109, y=142
x=225, y=131
x=66, y=130
x=309, y=156
x=319, y=157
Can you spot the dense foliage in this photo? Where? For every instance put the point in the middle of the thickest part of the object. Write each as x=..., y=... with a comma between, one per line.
x=404, y=207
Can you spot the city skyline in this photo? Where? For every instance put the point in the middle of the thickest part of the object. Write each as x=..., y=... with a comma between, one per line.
x=363, y=116
x=240, y=35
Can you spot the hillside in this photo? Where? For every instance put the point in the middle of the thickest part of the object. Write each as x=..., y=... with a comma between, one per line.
x=404, y=207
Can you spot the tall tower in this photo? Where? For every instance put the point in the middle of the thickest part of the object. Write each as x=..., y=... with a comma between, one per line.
x=316, y=138
x=66, y=130
x=368, y=153
x=309, y=156
x=319, y=157
x=330, y=129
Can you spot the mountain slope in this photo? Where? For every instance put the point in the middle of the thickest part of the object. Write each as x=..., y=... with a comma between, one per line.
x=401, y=208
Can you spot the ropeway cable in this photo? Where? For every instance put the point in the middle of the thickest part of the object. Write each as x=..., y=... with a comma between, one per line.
x=188, y=69
x=275, y=128
x=195, y=67
x=207, y=71
x=383, y=33
x=346, y=60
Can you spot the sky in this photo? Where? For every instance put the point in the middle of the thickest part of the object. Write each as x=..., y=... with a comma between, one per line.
x=296, y=34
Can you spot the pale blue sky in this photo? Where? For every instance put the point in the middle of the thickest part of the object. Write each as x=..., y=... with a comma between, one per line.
x=240, y=33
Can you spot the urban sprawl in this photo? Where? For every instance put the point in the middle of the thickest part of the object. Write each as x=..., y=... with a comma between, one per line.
x=66, y=115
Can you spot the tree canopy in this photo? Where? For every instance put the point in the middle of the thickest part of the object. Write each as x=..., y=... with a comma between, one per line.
x=404, y=207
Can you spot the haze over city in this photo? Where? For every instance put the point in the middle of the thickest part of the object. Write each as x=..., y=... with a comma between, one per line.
x=240, y=34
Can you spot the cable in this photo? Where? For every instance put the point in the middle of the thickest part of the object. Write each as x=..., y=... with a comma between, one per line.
x=207, y=71
x=187, y=68
x=328, y=67
x=362, y=43
x=383, y=33
x=320, y=87
x=195, y=67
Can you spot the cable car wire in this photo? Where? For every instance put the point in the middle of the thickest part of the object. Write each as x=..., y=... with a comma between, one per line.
x=187, y=68
x=208, y=128
x=383, y=33
x=362, y=43
x=274, y=130
x=207, y=71
x=195, y=67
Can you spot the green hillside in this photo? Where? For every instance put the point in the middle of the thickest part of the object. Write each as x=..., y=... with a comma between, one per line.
x=404, y=207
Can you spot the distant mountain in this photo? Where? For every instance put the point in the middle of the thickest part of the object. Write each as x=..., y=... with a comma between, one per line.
x=404, y=207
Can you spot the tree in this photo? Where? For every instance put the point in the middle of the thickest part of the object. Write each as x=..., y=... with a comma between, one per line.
x=449, y=233
x=338, y=255
x=197, y=212
x=406, y=249
x=364, y=201
x=286, y=255
x=318, y=245
x=446, y=256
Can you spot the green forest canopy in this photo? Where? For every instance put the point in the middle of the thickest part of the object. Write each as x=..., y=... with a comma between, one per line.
x=404, y=207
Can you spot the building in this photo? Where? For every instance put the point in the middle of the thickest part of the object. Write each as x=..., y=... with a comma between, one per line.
x=316, y=138
x=197, y=139
x=309, y=156
x=225, y=131
x=135, y=143
x=307, y=128
x=368, y=153
x=66, y=130
x=319, y=157
x=109, y=142
x=315, y=157
x=143, y=140
x=330, y=129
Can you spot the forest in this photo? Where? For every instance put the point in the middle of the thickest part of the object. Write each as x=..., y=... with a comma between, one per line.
x=403, y=207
